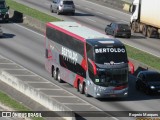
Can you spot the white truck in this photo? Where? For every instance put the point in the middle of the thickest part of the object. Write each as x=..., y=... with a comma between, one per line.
x=145, y=17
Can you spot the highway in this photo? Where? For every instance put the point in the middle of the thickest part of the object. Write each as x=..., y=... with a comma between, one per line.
x=97, y=17
x=26, y=47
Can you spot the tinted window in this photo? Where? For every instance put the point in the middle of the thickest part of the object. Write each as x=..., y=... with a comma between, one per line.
x=68, y=2
x=112, y=25
x=140, y=76
x=113, y=77
x=153, y=77
x=65, y=40
x=89, y=52
x=123, y=26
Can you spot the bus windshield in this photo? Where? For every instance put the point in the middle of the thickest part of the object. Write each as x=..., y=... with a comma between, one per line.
x=116, y=55
x=112, y=77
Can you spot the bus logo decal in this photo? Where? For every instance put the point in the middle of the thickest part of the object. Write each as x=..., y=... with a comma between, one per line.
x=112, y=50
x=69, y=54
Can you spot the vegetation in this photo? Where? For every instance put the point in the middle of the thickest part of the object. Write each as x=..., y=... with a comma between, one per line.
x=9, y=102
x=30, y=11
x=143, y=57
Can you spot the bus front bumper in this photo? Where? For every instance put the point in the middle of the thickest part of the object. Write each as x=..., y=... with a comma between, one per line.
x=110, y=93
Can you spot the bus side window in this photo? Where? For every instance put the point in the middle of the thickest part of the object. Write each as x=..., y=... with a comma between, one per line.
x=90, y=70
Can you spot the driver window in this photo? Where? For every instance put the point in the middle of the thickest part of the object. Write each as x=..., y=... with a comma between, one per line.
x=112, y=25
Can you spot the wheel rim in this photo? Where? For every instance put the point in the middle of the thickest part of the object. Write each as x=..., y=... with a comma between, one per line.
x=133, y=27
x=58, y=77
x=149, y=32
x=54, y=74
x=80, y=86
x=57, y=12
x=85, y=90
x=144, y=30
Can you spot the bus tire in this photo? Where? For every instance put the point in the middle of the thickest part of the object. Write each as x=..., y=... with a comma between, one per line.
x=80, y=87
x=54, y=74
x=59, y=77
x=85, y=91
x=144, y=30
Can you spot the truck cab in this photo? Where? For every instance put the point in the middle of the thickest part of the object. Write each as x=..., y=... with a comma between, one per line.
x=134, y=10
x=144, y=20
x=4, y=13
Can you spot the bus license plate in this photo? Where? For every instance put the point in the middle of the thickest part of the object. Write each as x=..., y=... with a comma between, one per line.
x=109, y=91
x=113, y=95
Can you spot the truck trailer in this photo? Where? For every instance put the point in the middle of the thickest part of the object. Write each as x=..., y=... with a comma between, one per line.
x=145, y=17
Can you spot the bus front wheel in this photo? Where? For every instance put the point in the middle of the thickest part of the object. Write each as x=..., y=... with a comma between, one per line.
x=85, y=91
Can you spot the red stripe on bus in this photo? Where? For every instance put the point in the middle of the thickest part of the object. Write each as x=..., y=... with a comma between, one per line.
x=78, y=77
x=66, y=32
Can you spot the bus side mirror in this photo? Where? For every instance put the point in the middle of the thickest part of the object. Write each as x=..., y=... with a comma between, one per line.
x=131, y=67
x=8, y=7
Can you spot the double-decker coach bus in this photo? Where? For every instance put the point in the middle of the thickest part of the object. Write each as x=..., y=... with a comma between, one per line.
x=90, y=61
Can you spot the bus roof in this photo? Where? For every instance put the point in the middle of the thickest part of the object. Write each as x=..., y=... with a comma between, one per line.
x=79, y=30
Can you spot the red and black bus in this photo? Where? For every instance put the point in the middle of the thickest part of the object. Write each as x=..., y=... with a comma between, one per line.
x=90, y=61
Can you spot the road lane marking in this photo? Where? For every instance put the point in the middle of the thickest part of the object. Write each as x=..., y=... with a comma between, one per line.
x=105, y=7
x=111, y=16
x=64, y=96
x=90, y=19
x=47, y=88
x=77, y=5
x=75, y=104
x=100, y=13
x=87, y=8
x=28, y=29
x=124, y=21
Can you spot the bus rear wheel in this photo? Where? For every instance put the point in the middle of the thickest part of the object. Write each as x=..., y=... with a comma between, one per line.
x=59, y=77
x=54, y=74
x=80, y=87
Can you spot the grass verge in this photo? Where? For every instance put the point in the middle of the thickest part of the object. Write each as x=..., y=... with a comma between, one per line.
x=133, y=53
x=143, y=57
x=31, y=12
x=7, y=101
